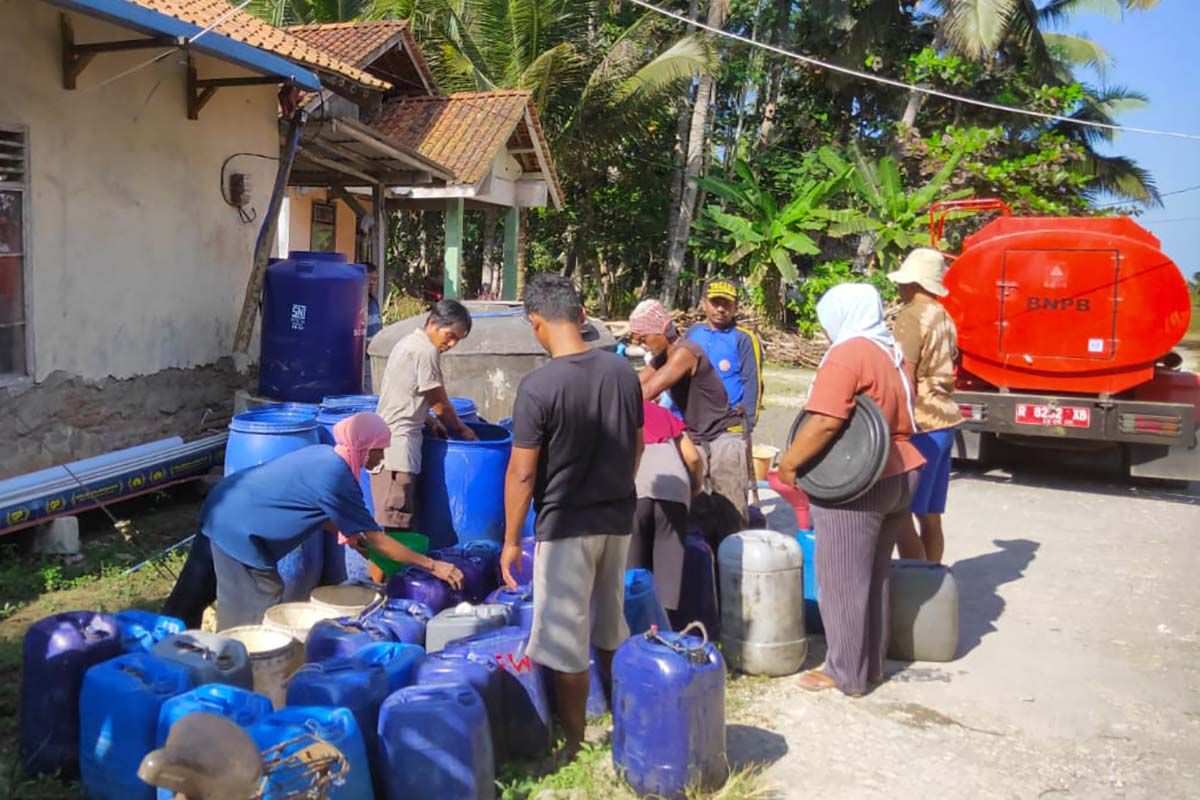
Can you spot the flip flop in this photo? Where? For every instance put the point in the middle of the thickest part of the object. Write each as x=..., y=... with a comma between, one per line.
x=816, y=681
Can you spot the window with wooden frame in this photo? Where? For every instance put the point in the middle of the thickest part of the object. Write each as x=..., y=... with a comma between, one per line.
x=14, y=205
x=323, y=231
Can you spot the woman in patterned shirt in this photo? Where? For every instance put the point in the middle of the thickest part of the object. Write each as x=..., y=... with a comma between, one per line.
x=928, y=338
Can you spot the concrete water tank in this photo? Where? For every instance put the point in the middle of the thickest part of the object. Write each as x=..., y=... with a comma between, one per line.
x=489, y=364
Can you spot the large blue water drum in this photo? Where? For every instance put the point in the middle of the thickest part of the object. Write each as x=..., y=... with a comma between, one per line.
x=465, y=408
x=118, y=722
x=345, y=564
x=527, y=718
x=461, y=492
x=812, y=609
x=313, y=327
x=434, y=742
x=264, y=434
x=259, y=436
x=669, y=715
x=295, y=727
x=56, y=653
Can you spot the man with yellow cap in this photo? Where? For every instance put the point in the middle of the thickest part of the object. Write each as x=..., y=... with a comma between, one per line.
x=735, y=351
x=927, y=336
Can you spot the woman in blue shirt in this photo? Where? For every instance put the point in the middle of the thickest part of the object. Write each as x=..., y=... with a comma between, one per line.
x=256, y=516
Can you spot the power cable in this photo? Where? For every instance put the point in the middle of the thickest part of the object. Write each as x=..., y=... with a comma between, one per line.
x=815, y=62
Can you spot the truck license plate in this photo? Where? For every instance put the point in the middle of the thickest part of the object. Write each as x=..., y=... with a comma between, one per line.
x=1056, y=416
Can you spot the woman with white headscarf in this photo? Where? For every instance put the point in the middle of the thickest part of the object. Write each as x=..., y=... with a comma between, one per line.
x=854, y=541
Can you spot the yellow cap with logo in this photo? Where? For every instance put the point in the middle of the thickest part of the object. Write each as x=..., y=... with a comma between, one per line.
x=721, y=289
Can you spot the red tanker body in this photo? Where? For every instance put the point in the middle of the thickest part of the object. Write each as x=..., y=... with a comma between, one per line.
x=1065, y=330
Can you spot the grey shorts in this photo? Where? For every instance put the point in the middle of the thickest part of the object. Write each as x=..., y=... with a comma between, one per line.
x=578, y=586
x=243, y=593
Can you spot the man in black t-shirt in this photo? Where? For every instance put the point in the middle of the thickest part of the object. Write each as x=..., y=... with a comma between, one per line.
x=577, y=439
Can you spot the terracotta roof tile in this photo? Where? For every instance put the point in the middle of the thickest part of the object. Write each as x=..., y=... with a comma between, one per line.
x=463, y=132
x=251, y=30
x=359, y=43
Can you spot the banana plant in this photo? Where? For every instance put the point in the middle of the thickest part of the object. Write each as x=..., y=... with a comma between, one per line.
x=893, y=220
x=759, y=233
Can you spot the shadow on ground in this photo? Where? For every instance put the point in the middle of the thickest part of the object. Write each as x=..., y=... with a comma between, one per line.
x=749, y=746
x=979, y=580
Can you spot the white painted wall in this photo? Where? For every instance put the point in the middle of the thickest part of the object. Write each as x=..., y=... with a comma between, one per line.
x=136, y=262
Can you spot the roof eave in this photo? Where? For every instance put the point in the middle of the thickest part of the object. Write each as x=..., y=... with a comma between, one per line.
x=136, y=17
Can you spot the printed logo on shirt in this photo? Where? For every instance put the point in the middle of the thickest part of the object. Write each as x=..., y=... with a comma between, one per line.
x=724, y=365
x=299, y=313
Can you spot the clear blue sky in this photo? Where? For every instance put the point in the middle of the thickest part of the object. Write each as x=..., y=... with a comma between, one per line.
x=1157, y=52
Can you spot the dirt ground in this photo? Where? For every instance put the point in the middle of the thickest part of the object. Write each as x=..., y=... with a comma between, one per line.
x=1078, y=673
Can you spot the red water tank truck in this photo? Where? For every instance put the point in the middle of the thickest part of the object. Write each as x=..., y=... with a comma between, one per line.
x=1065, y=330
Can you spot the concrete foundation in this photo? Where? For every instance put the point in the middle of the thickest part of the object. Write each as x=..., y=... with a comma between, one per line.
x=65, y=418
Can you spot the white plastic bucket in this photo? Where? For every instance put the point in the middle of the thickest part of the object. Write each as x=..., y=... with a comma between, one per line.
x=347, y=600
x=297, y=619
x=274, y=656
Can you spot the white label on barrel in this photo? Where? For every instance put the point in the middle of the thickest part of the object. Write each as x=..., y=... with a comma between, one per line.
x=299, y=312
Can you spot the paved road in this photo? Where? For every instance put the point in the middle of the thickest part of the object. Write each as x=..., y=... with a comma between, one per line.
x=1079, y=664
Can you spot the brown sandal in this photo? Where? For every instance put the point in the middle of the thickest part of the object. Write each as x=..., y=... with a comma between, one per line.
x=816, y=681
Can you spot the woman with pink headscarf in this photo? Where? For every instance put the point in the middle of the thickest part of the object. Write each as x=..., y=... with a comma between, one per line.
x=256, y=516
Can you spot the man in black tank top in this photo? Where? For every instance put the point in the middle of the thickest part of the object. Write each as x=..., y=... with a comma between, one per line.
x=681, y=368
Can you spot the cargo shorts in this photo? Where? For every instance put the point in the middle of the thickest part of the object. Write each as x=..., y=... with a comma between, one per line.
x=578, y=587
x=395, y=496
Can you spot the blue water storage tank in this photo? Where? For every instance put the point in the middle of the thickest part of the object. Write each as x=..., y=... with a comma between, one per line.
x=314, y=317
x=414, y=583
x=669, y=714
x=293, y=726
x=118, y=722
x=812, y=592
x=259, y=436
x=527, y=721
x=405, y=619
x=56, y=653
x=519, y=602
x=434, y=742
x=345, y=683
x=478, y=566
x=481, y=674
x=461, y=492
x=210, y=657
x=698, y=587
x=141, y=630
x=642, y=608
x=399, y=661
x=264, y=434
x=362, y=402
x=341, y=638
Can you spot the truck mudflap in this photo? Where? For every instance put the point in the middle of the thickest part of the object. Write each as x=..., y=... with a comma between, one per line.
x=1159, y=438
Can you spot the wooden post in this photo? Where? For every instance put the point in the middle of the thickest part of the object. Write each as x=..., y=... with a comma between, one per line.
x=452, y=280
x=379, y=198
x=512, y=221
x=266, y=235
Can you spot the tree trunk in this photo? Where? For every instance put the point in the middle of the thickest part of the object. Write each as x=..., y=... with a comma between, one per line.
x=680, y=153
x=774, y=88
x=491, y=221
x=698, y=133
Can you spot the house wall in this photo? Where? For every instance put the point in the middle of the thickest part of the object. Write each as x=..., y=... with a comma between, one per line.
x=299, y=220
x=136, y=265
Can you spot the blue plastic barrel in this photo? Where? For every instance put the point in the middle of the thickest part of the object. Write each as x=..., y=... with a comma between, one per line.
x=481, y=674
x=141, y=630
x=434, y=742
x=527, y=721
x=56, y=653
x=309, y=409
x=344, y=564
x=118, y=722
x=313, y=327
x=669, y=715
x=296, y=727
x=465, y=408
x=363, y=402
x=261, y=435
x=404, y=619
x=461, y=492
x=642, y=608
x=698, y=588
x=812, y=592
